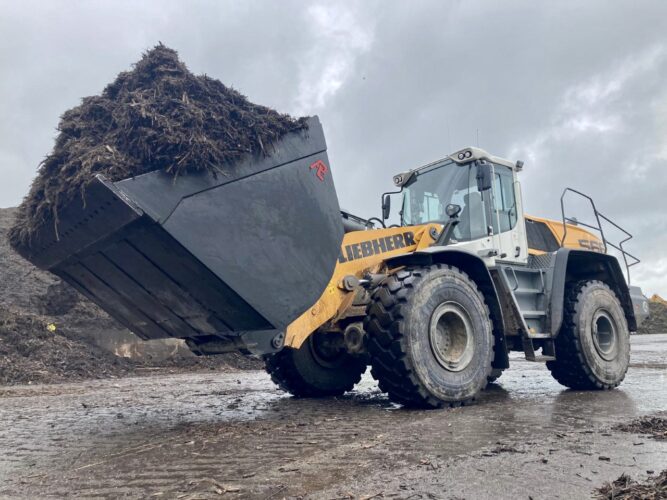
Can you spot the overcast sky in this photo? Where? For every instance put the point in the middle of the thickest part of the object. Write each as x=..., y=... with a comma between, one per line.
x=578, y=90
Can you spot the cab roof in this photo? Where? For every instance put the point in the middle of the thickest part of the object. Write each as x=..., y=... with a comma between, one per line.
x=461, y=157
x=466, y=155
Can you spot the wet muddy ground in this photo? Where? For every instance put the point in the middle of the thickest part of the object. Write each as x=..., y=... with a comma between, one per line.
x=204, y=435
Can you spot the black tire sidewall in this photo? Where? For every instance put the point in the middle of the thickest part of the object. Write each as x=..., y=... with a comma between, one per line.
x=448, y=285
x=595, y=296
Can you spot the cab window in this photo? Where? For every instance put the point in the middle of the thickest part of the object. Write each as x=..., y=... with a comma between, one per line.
x=504, y=200
x=425, y=200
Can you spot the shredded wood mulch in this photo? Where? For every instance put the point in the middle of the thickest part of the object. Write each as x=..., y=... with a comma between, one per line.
x=626, y=488
x=655, y=427
x=34, y=351
x=158, y=116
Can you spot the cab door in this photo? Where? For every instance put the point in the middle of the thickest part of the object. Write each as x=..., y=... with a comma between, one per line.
x=509, y=229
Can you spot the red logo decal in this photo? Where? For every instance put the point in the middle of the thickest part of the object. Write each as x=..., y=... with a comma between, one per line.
x=320, y=169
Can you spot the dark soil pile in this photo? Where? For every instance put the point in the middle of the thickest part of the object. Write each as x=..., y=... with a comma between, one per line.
x=656, y=427
x=32, y=352
x=85, y=339
x=657, y=321
x=158, y=116
x=626, y=488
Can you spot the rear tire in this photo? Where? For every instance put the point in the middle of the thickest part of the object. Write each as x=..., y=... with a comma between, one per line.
x=315, y=369
x=593, y=345
x=430, y=337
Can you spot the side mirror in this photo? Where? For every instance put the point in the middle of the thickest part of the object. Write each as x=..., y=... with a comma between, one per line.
x=484, y=176
x=452, y=210
x=386, y=206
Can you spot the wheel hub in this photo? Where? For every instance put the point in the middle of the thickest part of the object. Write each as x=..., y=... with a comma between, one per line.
x=326, y=348
x=605, y=335
x=451, y=336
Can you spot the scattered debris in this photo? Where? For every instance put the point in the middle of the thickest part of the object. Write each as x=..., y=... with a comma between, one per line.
x=505, y=449
x=369, y=497
x=626, y=488
x=655, y=427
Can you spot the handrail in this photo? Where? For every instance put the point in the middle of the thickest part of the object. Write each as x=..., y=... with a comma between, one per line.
x=598, y=216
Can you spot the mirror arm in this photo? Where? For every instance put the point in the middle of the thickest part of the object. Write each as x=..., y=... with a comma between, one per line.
x=382, y=200
x=381, y=222
x=447, y=232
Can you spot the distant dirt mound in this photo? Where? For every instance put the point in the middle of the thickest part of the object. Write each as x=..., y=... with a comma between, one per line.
x=657, y=321
x=658, y=298
x=158, y=116
x=32, y=350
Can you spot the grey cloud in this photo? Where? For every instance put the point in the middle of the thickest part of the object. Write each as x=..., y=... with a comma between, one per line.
x=575, y=89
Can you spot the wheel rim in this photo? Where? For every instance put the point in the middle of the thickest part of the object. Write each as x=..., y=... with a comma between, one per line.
x=605, y=335
x=451, y=336
x=325, y=352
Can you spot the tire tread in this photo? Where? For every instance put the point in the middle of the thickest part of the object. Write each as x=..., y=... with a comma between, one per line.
x=570, y=367
x=390, y=365
x=285, y=374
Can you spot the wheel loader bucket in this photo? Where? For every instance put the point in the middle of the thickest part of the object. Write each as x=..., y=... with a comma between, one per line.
x=246, y=250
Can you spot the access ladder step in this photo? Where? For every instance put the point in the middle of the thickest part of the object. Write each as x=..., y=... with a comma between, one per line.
x=537, y=335
x=528, y=291
x=533, y=314
x=541, y=358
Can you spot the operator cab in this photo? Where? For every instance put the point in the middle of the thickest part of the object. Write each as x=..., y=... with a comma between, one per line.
x=477, y=194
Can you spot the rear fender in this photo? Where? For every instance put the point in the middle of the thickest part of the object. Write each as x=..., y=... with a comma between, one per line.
x=576, y=265
x=475, y=268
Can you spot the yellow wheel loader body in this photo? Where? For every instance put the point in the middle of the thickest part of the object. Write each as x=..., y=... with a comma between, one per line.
x=363, y=252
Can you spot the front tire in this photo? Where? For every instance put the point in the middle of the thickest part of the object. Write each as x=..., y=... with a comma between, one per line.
x=319, y=368
x=430, y=337
x=593, y=345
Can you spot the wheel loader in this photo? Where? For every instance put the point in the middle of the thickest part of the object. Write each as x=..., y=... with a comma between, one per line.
x=263, y=261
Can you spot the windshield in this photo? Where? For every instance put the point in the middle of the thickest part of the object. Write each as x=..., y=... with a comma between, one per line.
x=426, y=197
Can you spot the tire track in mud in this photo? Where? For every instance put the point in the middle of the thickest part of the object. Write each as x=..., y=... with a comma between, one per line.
x=256, y=456
x=252, y=435
x=199, y=435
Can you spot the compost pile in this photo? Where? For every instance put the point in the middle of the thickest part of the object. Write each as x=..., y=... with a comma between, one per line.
x=158, y=116
x=626, y=488
x=657, y=321
x=33, y=350
x=51, y=333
